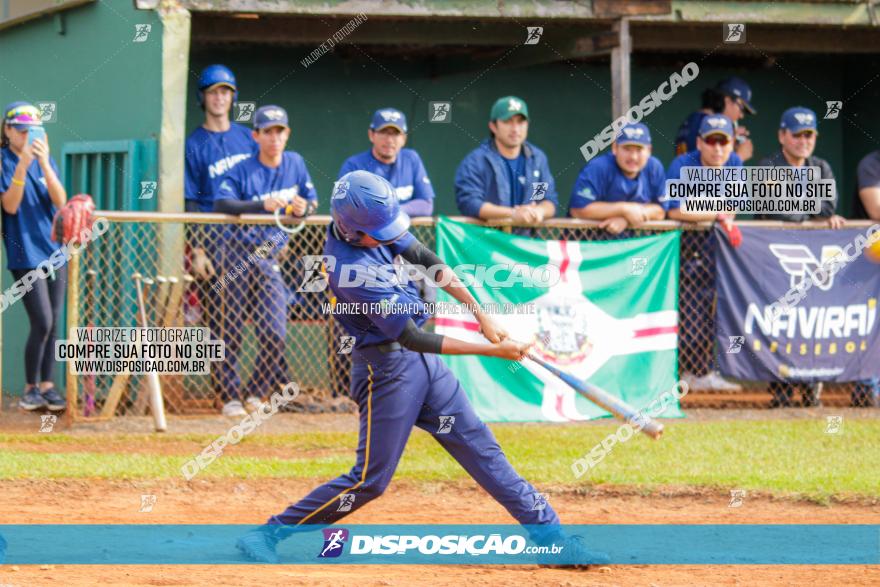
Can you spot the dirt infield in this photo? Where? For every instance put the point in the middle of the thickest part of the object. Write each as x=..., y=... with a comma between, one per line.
x=250, y=501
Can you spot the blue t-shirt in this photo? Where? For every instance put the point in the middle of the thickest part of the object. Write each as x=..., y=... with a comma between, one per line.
x=370, y=328
x=407, y=174
x=251, y=181
x=691, y=159
x=27, y=233
x=516, y=175
x=210, y=156
x=601, y=180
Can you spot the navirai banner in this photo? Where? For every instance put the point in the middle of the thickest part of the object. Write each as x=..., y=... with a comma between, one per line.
x=827, y=329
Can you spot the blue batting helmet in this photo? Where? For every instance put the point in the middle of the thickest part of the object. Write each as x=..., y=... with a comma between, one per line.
x=364, y=203
x=213, y=75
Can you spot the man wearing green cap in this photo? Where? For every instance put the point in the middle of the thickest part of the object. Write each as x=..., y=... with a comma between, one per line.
x=506, y=176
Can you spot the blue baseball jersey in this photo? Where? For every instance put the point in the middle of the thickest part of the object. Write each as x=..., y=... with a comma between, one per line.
x=692, y=159
x=686, y=138
x=384, y=290
x=252, y=181
x=26, y=234
x=407, y=174
x=210, y=156
x=601, y=180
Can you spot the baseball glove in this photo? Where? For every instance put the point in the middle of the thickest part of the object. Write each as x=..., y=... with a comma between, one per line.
x=74, y=217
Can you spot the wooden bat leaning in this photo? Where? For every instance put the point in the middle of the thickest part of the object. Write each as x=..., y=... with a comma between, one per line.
x=157, y=405
x=605, y=400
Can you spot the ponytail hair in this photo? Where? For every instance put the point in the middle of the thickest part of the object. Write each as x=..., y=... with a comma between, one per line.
x=713, y=100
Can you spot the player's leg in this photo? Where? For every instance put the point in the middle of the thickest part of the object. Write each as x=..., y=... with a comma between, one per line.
x=233, y=300
x=389, y=393
x=781, y=393
x=270, y=321
x=474, y=446
x=57, y=289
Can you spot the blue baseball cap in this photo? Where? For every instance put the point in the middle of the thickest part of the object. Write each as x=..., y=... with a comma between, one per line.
x=798, y=119
x=716, y=124
x=267, y=116
x=385, y=117
x=634, y=133
x=737, y=88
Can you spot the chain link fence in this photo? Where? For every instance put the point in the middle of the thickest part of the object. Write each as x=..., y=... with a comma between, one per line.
x=240, y=280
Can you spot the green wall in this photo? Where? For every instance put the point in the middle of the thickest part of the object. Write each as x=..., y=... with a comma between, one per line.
x=330, y=104
x=105, y=86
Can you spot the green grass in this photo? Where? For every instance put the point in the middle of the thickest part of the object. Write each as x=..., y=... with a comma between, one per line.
x=778, y=457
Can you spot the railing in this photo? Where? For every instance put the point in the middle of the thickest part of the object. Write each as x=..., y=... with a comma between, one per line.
x=159, y=246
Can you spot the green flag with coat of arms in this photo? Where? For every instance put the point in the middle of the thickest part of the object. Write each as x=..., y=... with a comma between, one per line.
x=604, y=311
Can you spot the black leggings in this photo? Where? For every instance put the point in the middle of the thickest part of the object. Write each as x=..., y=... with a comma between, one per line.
x=43, y=305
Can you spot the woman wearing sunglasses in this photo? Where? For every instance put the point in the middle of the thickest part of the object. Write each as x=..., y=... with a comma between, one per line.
x=30, y=194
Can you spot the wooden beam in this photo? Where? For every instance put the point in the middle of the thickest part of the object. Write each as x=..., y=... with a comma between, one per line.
x=620, y=69
x=762, y=39
x=619, y=8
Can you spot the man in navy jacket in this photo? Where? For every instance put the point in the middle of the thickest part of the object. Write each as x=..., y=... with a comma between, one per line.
x=506, y=176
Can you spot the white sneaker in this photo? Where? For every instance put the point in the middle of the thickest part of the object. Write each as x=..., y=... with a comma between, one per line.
x=233, y=409
x=252, y=403
x=712, y=380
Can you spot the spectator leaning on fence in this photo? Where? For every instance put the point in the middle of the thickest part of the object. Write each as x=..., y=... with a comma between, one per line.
x=30, y=194
x=212, y=150
x=714, y=149
x=506, y=176
x=797, y=138
x=403, y=168
x=732, y=97
x=252, y=280
x=622, y=188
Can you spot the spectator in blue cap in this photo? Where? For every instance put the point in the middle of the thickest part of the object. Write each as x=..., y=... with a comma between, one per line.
x=732, y=97
x=403, y=168
x=622, y=188
x=273, y=179
x=714, y=149
x=798, y=133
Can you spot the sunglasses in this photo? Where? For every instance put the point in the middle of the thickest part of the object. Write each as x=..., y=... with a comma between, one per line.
x=808, y=134
x=716, y=140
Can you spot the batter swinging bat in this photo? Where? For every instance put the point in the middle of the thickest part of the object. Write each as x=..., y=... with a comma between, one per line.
x=605, y=400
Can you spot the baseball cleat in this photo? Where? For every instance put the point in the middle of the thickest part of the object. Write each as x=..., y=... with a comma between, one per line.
x=252, y=403
x=33, y=400
x=574, y=555
x=54, y=401
x=258, y=545
x=233, y=409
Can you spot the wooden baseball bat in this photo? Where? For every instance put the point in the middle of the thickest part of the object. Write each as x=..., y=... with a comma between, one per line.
x=89, y=380
x=161, y=299
x=157, y=406
x=605, y=400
